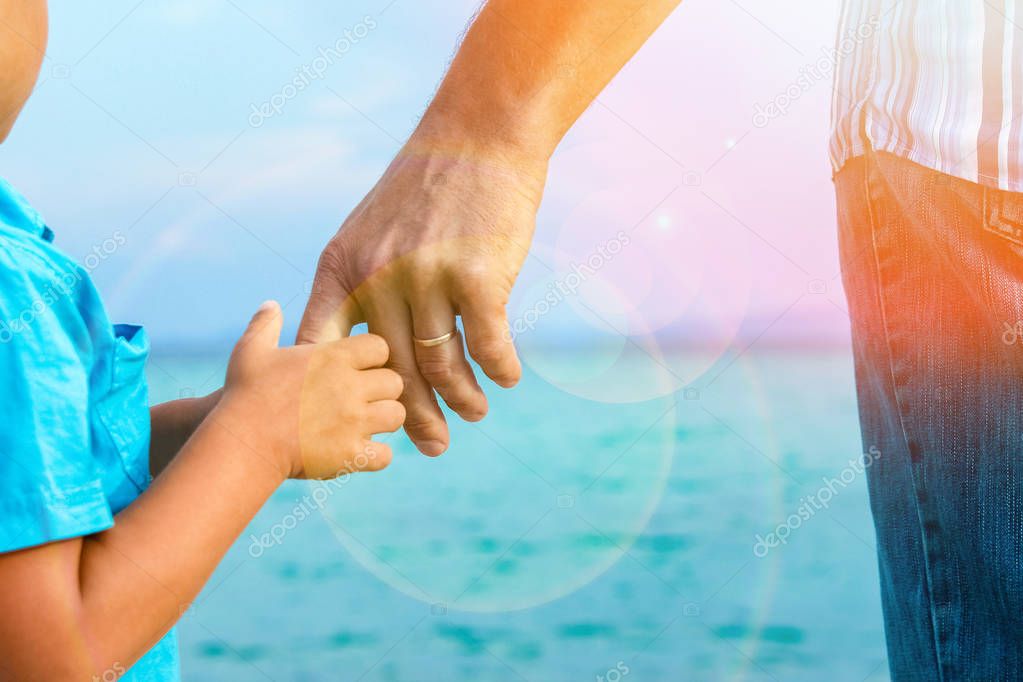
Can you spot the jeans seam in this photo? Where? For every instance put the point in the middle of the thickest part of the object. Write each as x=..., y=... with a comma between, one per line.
x=871, y=167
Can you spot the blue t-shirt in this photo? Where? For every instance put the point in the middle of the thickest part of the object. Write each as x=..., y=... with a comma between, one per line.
x=74, y=425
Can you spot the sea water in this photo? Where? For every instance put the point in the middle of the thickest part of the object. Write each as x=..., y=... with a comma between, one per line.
x=569, y=536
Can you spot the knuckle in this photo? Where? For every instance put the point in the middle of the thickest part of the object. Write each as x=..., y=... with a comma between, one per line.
x=408, y=374
x=489, y=351
x=475, y=415
x=417, y=424
x=343, y=261
x=437, y=372
x=396, y=385
x=333, y=259
x=420, y=424
x=341, y=345
x=357, y=457
x=509, y=372
x=339, y=353
x=398, y=415
x=424, y=270
x=475, y=274
x=470, y=406
x=379, y=457
x=484, y=296
x=377, y=346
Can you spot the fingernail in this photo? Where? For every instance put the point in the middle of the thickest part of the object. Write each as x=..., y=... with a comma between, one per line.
x=267, y=305
x=432, y=448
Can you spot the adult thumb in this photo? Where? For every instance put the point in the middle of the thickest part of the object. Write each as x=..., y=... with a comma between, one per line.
x=264, y=330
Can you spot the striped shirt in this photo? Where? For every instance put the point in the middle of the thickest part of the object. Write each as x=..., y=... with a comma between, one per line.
x=938, y=82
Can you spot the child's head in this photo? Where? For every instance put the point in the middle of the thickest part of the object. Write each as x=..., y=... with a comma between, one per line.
x=22, y=46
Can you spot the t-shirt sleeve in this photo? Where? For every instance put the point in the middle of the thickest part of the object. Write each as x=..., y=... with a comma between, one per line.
x=50, y=486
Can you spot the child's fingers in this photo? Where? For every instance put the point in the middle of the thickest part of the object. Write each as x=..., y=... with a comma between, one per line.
x=425, y=423
x=264, y=330
x=382, y=384
x=385, y=416
x=366, y=350
x=377, y=456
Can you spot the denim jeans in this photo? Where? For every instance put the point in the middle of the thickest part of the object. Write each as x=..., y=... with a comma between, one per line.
x=933, y=272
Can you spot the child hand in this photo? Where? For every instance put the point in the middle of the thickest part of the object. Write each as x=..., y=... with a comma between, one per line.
x=315, y=407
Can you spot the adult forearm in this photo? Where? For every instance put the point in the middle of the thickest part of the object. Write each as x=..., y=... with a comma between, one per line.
x=447, y=228
x=137, y=578
x=527, y=70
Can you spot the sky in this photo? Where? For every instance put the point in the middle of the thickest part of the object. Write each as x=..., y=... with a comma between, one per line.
x=143, y=124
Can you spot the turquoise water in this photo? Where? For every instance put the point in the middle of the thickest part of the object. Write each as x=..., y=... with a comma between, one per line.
x=567, y=537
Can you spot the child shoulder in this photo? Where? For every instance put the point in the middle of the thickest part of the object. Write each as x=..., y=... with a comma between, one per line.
x=45, y=296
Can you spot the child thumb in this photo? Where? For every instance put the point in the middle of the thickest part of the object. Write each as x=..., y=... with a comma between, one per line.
x=264, y=330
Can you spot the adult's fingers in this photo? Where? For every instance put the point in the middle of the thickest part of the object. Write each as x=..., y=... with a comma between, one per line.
x=444, y=365
x=331, y=311
x=424, y=422
x=488, y=338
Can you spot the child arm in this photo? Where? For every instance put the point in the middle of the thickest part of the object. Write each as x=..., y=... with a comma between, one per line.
x=172, y=423
x=83, y=606
x=78, y=608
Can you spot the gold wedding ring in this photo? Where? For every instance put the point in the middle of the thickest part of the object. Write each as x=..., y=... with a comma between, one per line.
x=430, y=343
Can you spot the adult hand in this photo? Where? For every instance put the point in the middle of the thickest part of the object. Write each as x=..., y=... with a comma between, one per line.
x=446, y=229
x=440, y=235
